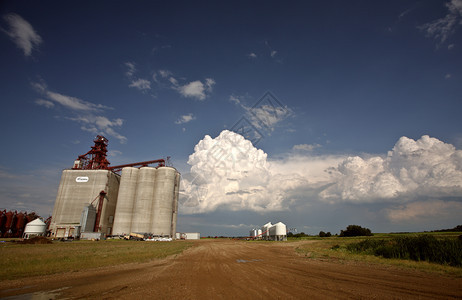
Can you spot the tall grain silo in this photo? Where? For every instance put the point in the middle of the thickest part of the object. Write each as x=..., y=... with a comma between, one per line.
x=79, y=188
x=164, y=202
x=145, y=196
x=125, y=201
x=141, y=200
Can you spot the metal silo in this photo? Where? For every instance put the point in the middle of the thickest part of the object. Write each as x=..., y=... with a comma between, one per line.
x=265, y=230
x=164, y=198
x=125, y=202
x=142, y=210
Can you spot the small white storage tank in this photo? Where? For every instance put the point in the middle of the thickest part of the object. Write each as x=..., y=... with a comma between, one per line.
x=35, y=228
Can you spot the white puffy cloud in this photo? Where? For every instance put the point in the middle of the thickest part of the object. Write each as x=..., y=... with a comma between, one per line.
x=22, y=33
x=228, y=172
x=442, y=28
x=88, y=114
x=185, y=119
x=195, y=89
x=252, y=55
x=427, y=167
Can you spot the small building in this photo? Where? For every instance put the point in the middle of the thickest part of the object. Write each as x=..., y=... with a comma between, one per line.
x=35, y=228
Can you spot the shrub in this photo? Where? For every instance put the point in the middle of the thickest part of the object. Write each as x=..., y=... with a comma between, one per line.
x=419, y=248
x=355, y=230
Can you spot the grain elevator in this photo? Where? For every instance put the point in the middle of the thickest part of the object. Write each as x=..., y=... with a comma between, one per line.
x=94, y=199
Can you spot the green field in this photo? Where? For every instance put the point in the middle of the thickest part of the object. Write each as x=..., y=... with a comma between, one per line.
x=20, y=260
x=340, y=248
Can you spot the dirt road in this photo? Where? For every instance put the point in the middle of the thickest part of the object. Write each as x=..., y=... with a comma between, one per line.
x=225, y=269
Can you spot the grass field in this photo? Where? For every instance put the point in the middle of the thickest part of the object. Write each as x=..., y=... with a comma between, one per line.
x=337, y=248
x=19, y=260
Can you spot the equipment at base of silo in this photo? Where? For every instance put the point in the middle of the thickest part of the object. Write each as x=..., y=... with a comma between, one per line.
x=135, y=236
x=142, y=199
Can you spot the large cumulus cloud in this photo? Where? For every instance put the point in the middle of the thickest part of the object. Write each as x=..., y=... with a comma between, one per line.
x=427, y=167
x=229, y=173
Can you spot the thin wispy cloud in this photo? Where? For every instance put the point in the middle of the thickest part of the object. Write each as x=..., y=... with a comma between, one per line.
x=88, y=114
x=131, y=69
x=44, y=103
x=140, y=84
x=22, y=33
x=252, y=55
x=306, y=147
x=442, y=28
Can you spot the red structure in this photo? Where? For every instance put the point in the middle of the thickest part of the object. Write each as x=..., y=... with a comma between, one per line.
x=101, y=197
x=13, y=223
x=96, y=158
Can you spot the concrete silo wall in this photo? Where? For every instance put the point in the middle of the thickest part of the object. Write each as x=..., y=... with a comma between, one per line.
x=142, y=211
x=163, y=208
x=125, y=201
x=79, y=188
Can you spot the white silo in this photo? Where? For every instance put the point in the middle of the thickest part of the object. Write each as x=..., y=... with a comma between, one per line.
x=142, y=210
x=125, y=201
x=278, y=232
x=35, y=228
x=164, y=202
x=265, y=230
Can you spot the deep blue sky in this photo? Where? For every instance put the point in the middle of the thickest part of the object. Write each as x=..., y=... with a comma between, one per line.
x=354, y=77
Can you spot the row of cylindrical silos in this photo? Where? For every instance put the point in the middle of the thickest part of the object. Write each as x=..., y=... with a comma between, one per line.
x=147, y=201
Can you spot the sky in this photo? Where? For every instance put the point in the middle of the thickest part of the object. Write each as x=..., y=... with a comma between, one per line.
x=318, y=114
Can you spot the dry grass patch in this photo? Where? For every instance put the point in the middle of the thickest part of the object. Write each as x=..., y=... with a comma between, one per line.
x=19, y=260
